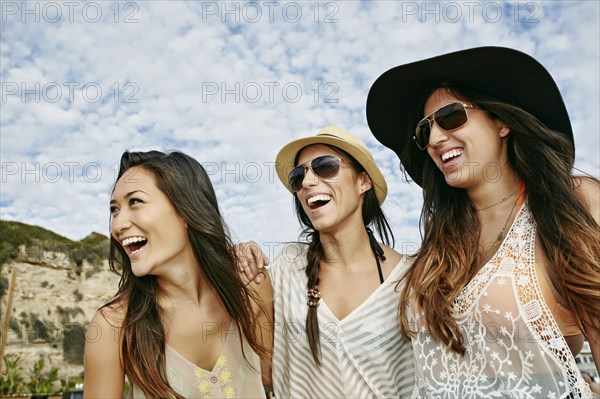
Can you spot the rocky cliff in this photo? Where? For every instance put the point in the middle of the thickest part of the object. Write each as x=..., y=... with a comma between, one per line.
x=60, y=284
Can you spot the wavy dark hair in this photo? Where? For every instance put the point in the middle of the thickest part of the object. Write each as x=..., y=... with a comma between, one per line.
x=372, y=215
x=142, y=334
x=449, y=256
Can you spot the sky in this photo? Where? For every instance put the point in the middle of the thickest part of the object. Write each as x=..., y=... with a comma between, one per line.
x=230, y=83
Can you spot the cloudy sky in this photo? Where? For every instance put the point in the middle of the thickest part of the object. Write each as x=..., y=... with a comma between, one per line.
x=230, y=83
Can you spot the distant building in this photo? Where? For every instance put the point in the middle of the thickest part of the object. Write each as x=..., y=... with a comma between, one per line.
x=585, y=362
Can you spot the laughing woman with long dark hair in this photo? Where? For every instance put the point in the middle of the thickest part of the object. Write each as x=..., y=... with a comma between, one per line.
x=183, y=324
x=335, y=297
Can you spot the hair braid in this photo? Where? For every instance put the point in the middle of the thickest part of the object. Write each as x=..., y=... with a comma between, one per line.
x=313, y=256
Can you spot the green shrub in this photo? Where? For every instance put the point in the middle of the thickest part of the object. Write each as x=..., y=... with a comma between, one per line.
x=70, y=383
x=8, y=251
x=41, y=381
x=11, y=379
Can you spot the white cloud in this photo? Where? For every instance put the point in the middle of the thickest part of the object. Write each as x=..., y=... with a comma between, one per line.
x=186, y=75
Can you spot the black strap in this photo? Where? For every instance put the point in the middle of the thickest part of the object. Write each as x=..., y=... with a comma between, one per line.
x=379, y=270
x=378, y=251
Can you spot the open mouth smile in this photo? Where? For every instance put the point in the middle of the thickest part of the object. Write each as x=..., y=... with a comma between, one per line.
x=448, y=156
x=317, y=201
x=133, y=245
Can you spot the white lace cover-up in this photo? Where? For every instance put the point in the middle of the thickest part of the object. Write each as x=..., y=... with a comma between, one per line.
x=514, y=348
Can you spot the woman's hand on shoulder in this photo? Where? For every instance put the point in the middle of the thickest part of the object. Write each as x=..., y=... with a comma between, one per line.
x=103, y=372
x=251, y=261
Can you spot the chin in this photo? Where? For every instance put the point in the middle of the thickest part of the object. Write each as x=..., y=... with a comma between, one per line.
x=454, y=182
x=459, y=177
x=458, y=184
x=139, y=270
x=324, y=227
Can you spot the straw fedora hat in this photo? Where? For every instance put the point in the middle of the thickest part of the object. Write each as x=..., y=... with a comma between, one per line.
x=506, y=74
x=337, y=137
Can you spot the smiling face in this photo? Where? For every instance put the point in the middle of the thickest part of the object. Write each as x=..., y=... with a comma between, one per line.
x=147, y=225
x=332, y=204
x=471, y=154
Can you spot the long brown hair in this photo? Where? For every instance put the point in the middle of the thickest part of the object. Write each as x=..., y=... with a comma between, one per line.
x=372, y=214
x=449, y=255
x=189, y=189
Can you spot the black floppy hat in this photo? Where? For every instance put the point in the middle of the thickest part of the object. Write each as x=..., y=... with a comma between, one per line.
x=506, y=74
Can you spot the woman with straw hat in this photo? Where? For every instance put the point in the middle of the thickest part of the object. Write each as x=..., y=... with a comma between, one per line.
x=334, y=296
x=505, y=285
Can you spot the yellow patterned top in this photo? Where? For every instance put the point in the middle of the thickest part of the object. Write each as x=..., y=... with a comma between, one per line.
x=231, y=377
x=206, y=381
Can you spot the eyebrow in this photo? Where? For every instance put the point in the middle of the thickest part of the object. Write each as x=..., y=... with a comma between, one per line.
x=129, y=194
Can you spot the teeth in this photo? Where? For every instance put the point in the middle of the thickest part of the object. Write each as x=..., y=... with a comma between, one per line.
x=131, y=240
x=451, y=154
x=319, y=197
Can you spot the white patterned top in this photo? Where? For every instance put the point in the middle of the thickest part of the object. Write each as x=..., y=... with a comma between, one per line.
x=363, y=355
x=514, y=348
x=231, y=377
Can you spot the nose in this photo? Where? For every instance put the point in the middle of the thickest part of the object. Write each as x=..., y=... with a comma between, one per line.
x=119, y=223
x=310, y=179
x=436, y=135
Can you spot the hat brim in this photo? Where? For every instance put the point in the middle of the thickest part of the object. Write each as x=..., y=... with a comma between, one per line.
x=503, y=73
x=284, y=163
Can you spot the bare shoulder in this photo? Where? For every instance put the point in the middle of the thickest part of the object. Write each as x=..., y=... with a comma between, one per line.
x=392, y=255
x=104, y=374
x=106, y=323
x=111, y=314
x=395, y=259
x=588, y=190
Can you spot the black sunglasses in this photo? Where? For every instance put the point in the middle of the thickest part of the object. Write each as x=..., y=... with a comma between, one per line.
x=448, y=118
x=324, y=167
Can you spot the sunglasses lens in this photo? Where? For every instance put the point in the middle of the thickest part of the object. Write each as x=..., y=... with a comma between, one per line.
x=296, y=177
x=451, y=117
x=422, y=133
x=326, y=166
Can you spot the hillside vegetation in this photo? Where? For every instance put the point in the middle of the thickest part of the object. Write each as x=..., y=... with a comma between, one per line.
x=37, y=240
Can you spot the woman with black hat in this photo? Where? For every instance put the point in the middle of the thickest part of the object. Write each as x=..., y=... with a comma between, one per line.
x=336, y=315
x=505, y=284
